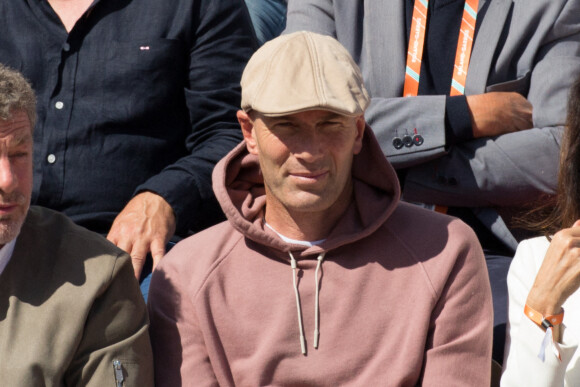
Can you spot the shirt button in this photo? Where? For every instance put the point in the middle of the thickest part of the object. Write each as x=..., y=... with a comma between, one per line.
x=51, y=158
x=59, y=105
x=66, y=47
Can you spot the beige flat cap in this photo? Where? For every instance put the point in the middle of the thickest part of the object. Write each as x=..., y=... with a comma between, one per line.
x=303, y=71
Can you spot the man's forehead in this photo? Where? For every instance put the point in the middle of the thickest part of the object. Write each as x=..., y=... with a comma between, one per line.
x=315, y=114
x=17, y=126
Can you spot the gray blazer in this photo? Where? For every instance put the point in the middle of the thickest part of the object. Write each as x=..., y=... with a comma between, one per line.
x=528, y=46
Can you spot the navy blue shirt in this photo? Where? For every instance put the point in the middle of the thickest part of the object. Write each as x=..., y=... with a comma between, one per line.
x=141, y=95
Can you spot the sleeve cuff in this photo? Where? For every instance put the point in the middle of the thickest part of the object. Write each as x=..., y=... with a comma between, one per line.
x=457, y=120
x=184, y=196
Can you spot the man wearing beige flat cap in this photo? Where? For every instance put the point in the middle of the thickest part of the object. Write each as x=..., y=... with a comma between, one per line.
x=321, y=275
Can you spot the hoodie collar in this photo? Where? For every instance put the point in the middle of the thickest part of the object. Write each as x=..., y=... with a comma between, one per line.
x=239, y=188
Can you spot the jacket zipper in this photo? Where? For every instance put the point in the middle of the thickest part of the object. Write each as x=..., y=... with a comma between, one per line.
x=117, y=367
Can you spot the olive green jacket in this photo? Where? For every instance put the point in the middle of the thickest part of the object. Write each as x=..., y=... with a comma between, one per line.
x=69, y=308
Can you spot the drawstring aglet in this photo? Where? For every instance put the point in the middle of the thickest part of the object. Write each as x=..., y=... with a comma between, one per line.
x=303, y=344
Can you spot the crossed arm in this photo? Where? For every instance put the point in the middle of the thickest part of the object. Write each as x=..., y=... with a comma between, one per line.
x=514, y=151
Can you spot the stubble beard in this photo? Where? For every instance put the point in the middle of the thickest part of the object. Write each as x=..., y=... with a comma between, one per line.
x=10, y=225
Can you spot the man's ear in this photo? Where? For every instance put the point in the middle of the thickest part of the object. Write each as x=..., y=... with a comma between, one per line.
x=360, y=131
x=247, y=125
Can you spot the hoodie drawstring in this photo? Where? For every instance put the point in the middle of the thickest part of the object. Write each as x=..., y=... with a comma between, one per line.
x=316, y=309
x=294, y=266
x=300, y=327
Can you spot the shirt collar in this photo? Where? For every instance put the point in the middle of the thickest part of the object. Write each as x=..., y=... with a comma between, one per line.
x=6, y=253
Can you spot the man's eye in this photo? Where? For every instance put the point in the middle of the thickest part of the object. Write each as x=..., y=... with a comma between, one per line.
x=284, y=126
x=333, y=124
x=18, y=155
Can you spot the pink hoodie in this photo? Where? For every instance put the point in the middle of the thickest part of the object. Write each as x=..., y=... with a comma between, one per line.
x=403, y=294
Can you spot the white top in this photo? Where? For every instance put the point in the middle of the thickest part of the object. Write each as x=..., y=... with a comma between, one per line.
x=6, y=253
x=295, y=241
x=522, y=367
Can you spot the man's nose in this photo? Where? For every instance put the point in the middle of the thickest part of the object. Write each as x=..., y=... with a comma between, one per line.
x=8, y=180
x=311, y=147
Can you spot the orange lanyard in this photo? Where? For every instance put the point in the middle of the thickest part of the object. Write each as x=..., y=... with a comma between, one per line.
x=417, y=42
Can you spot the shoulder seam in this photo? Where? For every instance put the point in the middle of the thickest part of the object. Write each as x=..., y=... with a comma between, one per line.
x=417, y=261
x=215, y=265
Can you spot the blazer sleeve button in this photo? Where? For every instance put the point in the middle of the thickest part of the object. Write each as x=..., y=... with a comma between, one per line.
x=397, y=143
x=418, y=140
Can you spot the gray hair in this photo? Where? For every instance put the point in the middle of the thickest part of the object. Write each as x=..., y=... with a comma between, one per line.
x=16, y=94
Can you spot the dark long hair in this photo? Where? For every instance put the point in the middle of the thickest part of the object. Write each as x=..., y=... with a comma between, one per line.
x=564, y=209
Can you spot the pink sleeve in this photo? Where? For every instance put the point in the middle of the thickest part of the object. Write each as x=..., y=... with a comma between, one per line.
x=179, y=350
x=458, y=348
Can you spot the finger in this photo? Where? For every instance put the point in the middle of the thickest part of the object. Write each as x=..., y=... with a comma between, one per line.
x=569, y=233
x=523, y=120
x=112, y=237
x=138, y=256
x=520, y=111
x=119, y=239
x=124, y=244
x=137, y=267
x=157, y=251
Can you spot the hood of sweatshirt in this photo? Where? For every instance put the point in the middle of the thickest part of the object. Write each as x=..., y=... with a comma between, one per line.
x=239, y=188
